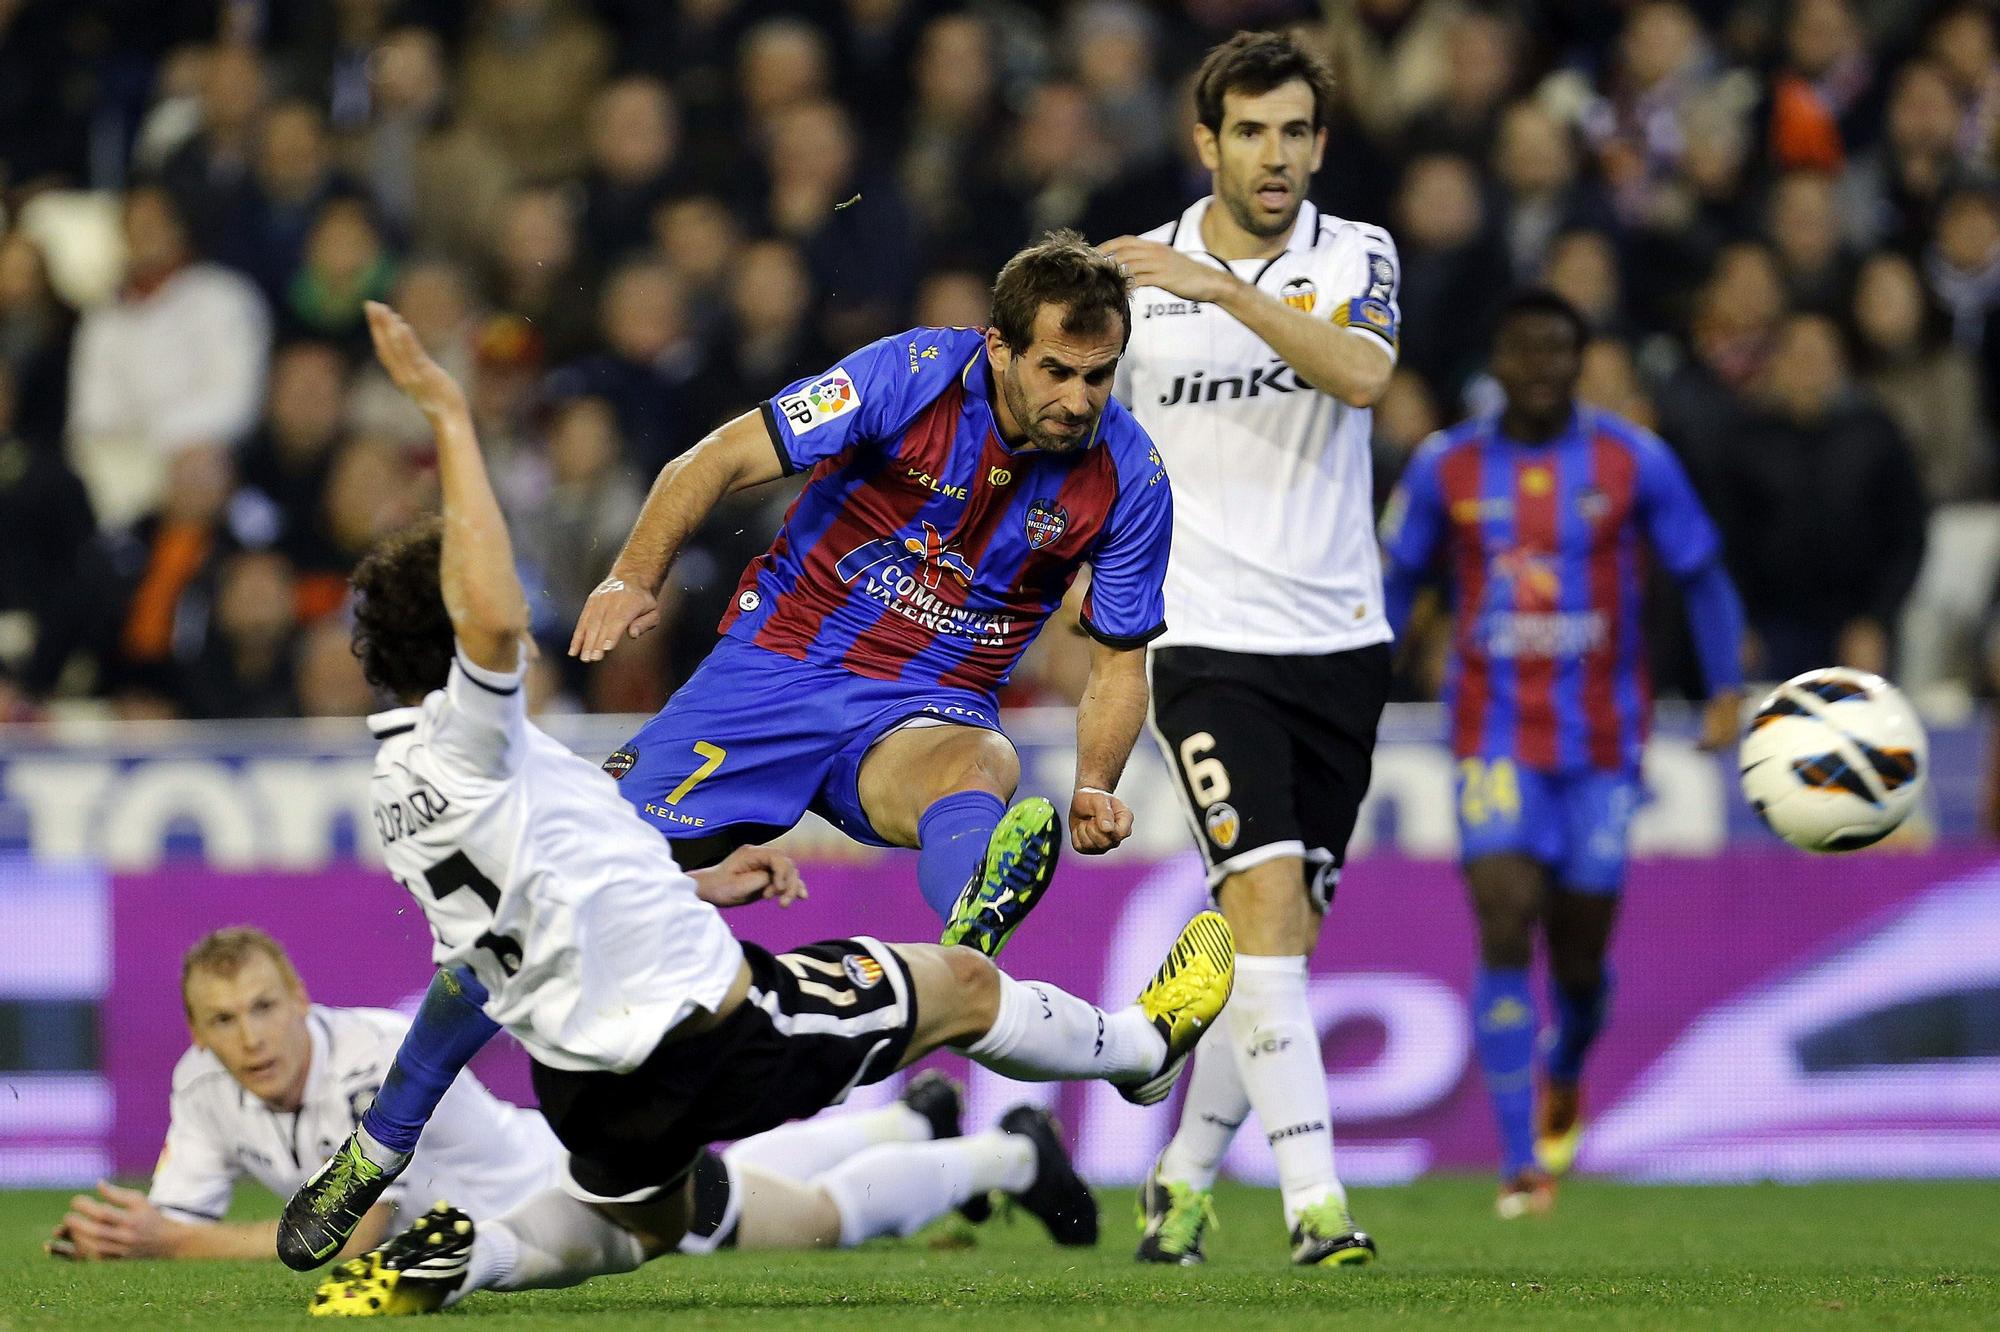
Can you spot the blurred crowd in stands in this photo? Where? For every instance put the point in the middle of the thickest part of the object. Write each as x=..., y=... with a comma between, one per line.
x=623, y=221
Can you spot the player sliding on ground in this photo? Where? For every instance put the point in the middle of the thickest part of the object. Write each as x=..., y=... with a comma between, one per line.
x=959, y=481
x=652, y=1031
x=1541, y=517
x=272, y=1082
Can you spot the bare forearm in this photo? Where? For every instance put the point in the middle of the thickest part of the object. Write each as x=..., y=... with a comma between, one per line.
x=1108, y=718
x=1353, y=367
x=222, y=1239
x=482, y=593
x=733, y=458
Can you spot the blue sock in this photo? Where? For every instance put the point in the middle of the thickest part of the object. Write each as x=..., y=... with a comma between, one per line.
x=953, y=834
x=449, y=1030
x=1503, y=1029
x=1579, y=1017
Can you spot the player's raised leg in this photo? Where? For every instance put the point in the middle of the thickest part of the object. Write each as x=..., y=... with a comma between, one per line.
x=448, y=1030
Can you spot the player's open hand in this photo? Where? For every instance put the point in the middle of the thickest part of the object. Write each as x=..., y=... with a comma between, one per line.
x=750, y=874
x=121, y=1223
x=1098, y=821
x=616, y=608
x=410, y=367
x=1150, y=264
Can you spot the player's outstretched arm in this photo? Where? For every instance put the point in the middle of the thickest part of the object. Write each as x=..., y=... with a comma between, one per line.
x=1354, y=367
x=733, y=457
x=123, y=1223
x=1108, y=718
x=482, y=593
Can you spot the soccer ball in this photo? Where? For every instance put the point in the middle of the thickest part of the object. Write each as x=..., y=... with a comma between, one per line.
x=1834, y=760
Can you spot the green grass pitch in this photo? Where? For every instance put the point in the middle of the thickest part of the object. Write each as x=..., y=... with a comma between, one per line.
x=1888, y=1255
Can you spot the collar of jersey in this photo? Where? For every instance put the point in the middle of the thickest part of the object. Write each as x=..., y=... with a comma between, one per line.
x=1569, y=434
x=381, y=724
x=1187, y=237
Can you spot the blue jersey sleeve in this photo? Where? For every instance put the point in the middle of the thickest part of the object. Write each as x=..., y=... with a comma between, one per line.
x=1126, y=605
x=1683, y=538
x=1412, y=526
x=867, y=399
x=1688, y=546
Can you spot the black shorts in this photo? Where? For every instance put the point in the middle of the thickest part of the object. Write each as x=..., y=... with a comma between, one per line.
x=819, y=1021
x=1271, y=754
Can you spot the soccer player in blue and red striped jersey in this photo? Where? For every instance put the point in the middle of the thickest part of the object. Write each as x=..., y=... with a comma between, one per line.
x=958, y=481
x=1542, y=520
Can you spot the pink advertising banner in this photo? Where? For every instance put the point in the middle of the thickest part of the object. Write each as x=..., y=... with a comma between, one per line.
x=1775, y=1017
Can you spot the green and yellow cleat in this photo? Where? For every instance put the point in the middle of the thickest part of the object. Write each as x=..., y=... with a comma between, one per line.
x=416, y=1272
x=322, y=1215
x=1558, y=1127
x=1020, y=861
x=1174, y=1218
x=1184, y=997
x=1325, y=1237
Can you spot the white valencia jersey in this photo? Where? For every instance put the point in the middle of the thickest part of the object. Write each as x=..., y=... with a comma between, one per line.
x=479, y=1151
x=1274, y=513
x=589, y=939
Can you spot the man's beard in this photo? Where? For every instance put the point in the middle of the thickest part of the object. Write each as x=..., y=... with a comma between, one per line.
x=1017, y=403
x=1242, y=210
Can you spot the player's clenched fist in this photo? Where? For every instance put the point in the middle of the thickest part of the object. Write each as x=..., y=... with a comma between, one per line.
x=750, y=874
x=1098, y=821
x=614, y=609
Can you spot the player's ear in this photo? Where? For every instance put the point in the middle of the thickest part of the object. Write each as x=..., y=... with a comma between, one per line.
x=1209, y=149
x=1319, y=147
x=998, y=353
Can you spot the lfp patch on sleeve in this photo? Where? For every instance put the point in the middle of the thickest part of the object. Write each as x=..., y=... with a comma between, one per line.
x=830, y=396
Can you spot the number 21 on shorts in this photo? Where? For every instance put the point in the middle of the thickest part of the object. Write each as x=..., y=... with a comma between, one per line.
x=711, y=759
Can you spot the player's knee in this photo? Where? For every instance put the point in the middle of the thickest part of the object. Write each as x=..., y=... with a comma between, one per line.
x=975, y=992
x=990, y=764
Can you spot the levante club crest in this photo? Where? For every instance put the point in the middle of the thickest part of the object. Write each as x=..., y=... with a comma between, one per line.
x=1046, y=523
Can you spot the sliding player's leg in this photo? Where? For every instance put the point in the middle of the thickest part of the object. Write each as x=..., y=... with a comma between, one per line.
x=449, y=1029
x=1582, y=909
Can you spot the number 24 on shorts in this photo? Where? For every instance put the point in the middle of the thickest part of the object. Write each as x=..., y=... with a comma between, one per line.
x=1487, y=789
x=711, y=759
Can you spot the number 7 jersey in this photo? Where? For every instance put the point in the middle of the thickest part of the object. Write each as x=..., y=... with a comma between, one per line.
x=535, y=874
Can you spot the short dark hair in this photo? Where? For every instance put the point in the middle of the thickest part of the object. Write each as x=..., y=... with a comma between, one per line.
x=402, y=633
x=1542, y=301
x=1254, y=63
x=1061, y=269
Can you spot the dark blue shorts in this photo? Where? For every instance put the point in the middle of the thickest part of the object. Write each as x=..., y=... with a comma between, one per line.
x=1574, y=822
x=754, y=740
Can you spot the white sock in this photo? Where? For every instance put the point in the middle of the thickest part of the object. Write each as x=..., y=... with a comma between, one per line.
x=800, y=1151
x=1277, y=1057
x=1215, y=1108
x=900, y=1189
x=1043, y=1034
x=550, y=1240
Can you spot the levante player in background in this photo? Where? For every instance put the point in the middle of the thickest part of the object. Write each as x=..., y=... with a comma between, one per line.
x=1539, y=520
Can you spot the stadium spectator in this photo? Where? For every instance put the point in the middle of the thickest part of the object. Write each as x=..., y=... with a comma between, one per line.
x=783, y=62
x=648, y=367
x=37, y=334
x=948, y=168
x=1391, y=59
x=243, y=667
x=535, y=271
x=1453, y=272
x=634, y=147
x=286, y=464
x=1822, y=511
x=1663, y=64
x=1582, y=268
x=209, y=172
x=327, y=675
x=46, y=559
x=346, y=264
x=770, y=337
x=434, y=298
x=1540, y=194
x=1963, y=261
x=175, y=363
x=1114, y=44
x=435, y=175
x=1892, y=194
x=528, y=73
x=1822, y=102
x=293, y=180
x=568, y=536
x=699, y=237
x=1482, y=65
x=1804, y=227
x=169, y=561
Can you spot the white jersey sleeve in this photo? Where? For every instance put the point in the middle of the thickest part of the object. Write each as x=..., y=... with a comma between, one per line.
x=480, y=729
x=196, y=1174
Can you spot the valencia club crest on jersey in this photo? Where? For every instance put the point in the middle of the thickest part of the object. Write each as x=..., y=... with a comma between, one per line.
x=1046, y=522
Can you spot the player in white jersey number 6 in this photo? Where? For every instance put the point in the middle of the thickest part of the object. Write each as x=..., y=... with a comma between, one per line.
x=1262, y=331
x=652, y=1031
